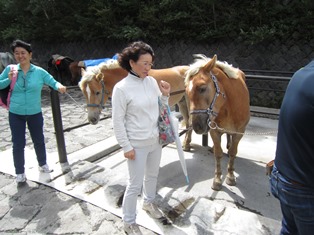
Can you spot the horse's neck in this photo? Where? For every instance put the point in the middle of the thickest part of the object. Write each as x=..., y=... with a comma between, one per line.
x=112, y=76
x=177, y=71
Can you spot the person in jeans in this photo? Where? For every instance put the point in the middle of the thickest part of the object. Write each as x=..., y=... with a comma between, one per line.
x=135, y=113
x=292, y=177
x=25, y=106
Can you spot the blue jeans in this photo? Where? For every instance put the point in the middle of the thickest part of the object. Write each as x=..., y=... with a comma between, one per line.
x=297, y=205
x=35, y=124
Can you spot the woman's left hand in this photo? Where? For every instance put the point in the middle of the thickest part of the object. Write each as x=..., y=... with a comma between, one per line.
x=62, y=89
x=164, y=88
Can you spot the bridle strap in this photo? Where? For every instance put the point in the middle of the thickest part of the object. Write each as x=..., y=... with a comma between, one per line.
x=210, y=112
x=101, y=105
x=177, y=92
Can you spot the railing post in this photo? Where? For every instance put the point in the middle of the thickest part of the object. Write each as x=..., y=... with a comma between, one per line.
x=205, y=140
x=57, y=120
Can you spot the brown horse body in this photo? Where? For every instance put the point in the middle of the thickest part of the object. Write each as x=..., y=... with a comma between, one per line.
x=97, y=85
x=219, y=103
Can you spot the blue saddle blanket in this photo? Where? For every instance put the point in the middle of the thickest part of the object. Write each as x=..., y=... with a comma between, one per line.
x=98, y=61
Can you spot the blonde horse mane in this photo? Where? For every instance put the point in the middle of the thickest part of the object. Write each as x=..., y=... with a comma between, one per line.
x=94, y=70
x=201, y=60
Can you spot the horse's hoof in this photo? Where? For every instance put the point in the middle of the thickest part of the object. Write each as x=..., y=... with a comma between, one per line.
x=216, y=186
x=230, y=181
x=187, y=148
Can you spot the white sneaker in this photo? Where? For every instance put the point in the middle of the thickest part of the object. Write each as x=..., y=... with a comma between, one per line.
x=153, y=210
x=132, y=229
x=20, y=178
x=45, y=168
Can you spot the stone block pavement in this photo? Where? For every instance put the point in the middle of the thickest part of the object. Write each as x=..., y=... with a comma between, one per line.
x=84, y=196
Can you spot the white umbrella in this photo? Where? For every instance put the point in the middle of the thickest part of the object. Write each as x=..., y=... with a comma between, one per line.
x=175, y=125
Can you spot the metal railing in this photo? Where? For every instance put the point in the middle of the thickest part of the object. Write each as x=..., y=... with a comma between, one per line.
x=57, y=118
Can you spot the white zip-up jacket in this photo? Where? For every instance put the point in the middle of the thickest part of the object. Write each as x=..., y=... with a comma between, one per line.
x=135, y=111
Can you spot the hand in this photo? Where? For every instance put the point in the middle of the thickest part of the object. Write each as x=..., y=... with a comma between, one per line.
x=164, y=88
x=62, y=89
x=130, y=155
x=12, y=73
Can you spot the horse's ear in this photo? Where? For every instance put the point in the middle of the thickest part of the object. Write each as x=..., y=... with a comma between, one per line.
x=99, y=77
x=209, y=66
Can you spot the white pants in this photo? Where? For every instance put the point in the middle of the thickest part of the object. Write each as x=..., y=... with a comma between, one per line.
x=144, y=167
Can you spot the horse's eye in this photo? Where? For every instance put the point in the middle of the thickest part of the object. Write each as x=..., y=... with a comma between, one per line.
x=202, y=90
x=97, y=92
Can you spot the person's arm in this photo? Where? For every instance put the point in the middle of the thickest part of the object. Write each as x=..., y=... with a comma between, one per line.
x=50, y=81
x=119, y=107
x=165, y=91
x=4, y=78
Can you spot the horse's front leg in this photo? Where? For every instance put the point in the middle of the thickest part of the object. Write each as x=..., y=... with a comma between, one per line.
x=187, y=140
x=218, y=153
x=232, y=152
x=184, y=110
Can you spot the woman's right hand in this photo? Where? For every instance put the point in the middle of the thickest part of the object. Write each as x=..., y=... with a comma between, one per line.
x=11, y=74
x=130, y=155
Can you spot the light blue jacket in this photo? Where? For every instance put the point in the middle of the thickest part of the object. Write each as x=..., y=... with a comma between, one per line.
x=26, y=95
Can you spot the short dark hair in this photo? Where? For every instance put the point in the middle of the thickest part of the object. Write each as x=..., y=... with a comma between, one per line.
x=133, y=52
x=20, y=43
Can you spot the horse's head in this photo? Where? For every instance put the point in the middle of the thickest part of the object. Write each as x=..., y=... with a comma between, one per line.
x=205, y=92
x=58, y=67
x=6, y=58
x=97, y=84
x=93, y=88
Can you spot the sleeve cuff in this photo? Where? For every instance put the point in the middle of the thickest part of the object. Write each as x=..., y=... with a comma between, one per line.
x=164, y=99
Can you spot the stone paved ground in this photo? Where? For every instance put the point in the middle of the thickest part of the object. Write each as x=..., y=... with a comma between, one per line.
x=38, y=209
x=24, y=210
x=73, y=114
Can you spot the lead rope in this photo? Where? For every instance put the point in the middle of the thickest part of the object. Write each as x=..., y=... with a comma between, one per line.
x=235, y=132
x=77, y=104
x=240, y=133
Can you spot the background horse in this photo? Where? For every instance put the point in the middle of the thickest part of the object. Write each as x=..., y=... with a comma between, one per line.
x=219, y=103
x=97, y=85
x=58, y=67
x=68, y=70
x=6, y=58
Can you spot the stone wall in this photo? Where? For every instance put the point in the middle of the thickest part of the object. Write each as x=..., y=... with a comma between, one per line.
x=276, y=56
x=287, y=56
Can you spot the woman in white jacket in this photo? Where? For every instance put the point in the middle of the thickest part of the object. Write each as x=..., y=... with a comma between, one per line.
x=135, y=113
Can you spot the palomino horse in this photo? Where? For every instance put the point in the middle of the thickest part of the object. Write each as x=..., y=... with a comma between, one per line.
x=219, y=103
x=98, y=81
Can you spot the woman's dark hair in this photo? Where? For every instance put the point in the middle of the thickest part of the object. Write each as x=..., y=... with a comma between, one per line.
x=20, y=43
x=133, y=52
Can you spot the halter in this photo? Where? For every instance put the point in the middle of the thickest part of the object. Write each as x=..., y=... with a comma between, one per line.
x=103, y=91
x=210, y=112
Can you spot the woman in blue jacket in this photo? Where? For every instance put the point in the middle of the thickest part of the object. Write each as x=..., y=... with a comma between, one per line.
x=25, y=106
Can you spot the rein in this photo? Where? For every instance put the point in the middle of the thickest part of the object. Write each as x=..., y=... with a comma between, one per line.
x=177, y=92
x=210, y=112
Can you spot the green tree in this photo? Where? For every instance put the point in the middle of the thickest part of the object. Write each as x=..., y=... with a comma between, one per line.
x=164, y=20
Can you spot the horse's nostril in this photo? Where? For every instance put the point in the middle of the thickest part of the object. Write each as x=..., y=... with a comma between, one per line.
x=93, y=120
